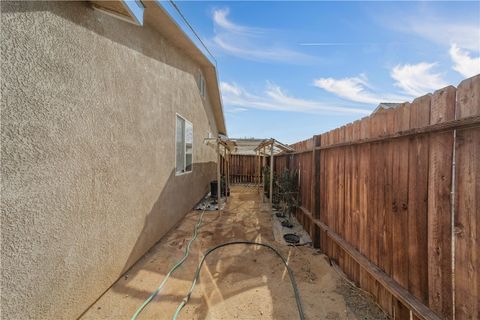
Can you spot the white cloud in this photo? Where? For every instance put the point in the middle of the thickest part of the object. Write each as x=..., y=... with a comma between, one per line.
x=413, y=79
x=444, y=32
x=256, y=52
x=463, y=62
x=442, y=29
x=220, y=19
x=228, y=88
x=236, y=110
x=417, y=79
x=275, y=99
x=251, y=43
x=356, y=89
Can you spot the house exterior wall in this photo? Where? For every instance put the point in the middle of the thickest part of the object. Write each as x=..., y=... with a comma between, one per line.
x=88, y=152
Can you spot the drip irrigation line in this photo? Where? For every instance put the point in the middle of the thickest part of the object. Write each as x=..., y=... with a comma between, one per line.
x=197, y=274
x=172, y=270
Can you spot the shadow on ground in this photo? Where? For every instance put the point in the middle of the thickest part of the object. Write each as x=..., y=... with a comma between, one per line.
x=237, y=282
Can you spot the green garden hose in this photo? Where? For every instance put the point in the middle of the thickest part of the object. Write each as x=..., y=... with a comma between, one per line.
x=197, y=274
x=172, y=270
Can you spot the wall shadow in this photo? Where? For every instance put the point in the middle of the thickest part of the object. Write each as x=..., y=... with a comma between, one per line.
x=177, y=198
x=242, y=264
x=179, y=195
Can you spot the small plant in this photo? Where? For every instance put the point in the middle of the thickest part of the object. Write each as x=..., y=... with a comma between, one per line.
x=266, y=182
x=287, y=192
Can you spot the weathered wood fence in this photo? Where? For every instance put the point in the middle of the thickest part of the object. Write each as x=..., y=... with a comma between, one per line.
x=394, y=199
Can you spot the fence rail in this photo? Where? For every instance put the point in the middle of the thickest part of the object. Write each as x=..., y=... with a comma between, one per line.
x=394, y=198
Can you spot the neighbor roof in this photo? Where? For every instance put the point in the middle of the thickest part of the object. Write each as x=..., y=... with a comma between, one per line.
x=385, y=106
x=155, y=15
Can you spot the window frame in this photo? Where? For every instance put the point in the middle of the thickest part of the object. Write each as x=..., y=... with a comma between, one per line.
x=184, y=171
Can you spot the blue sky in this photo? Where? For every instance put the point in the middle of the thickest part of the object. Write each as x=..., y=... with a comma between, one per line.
x=289, y=70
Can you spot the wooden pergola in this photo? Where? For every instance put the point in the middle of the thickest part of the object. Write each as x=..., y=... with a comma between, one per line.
x=223, y=146
x=268, y=147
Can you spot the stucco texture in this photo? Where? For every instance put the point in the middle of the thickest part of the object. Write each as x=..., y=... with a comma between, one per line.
x=88, y=152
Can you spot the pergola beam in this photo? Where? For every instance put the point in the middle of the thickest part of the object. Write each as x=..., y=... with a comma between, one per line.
x=276, y=144
x=275, y=148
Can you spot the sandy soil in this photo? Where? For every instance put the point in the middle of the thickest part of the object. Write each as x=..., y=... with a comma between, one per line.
x=237, y=282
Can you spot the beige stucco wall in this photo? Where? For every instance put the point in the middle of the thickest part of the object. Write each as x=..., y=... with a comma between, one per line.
x=88, y=130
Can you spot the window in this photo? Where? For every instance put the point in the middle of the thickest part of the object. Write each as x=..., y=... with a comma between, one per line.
x=201, y=84
x=184, y=146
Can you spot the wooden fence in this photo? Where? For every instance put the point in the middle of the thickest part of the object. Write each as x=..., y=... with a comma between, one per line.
x=394, y=199
x=243, y=169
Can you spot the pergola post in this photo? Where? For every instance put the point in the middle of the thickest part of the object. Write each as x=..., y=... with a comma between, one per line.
x=225, y=171
x=271, y=172
x=257, y=176
x=219, y=184
x=259, y=167
x=264, y=160
x=228, y=173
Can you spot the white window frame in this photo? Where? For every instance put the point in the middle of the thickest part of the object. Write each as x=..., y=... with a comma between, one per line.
x=184, y=171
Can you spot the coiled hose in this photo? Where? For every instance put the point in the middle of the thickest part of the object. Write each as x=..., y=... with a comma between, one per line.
x=197, y=274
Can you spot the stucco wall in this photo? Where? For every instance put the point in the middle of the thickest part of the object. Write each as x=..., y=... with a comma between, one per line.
x=88, y=152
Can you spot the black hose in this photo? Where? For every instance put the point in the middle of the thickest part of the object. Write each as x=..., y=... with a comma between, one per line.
x=199, y=267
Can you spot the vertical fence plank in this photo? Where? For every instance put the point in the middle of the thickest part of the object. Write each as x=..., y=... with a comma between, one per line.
x=347, y=212
x=417, y=201
x=467, y=204
x=314, y=191
x=389, y=190
x=439, y=206
x=330, y=192
x=380, y=185
x=337, y=197
x=323, y=191
x=386, y=220
x=340, y=210
x=399, y=206
x=355, y=199
x=364, y=185
x=375, y=129
x=376, y=194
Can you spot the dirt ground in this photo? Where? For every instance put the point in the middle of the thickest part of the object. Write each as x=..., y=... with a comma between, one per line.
x=236, y=282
